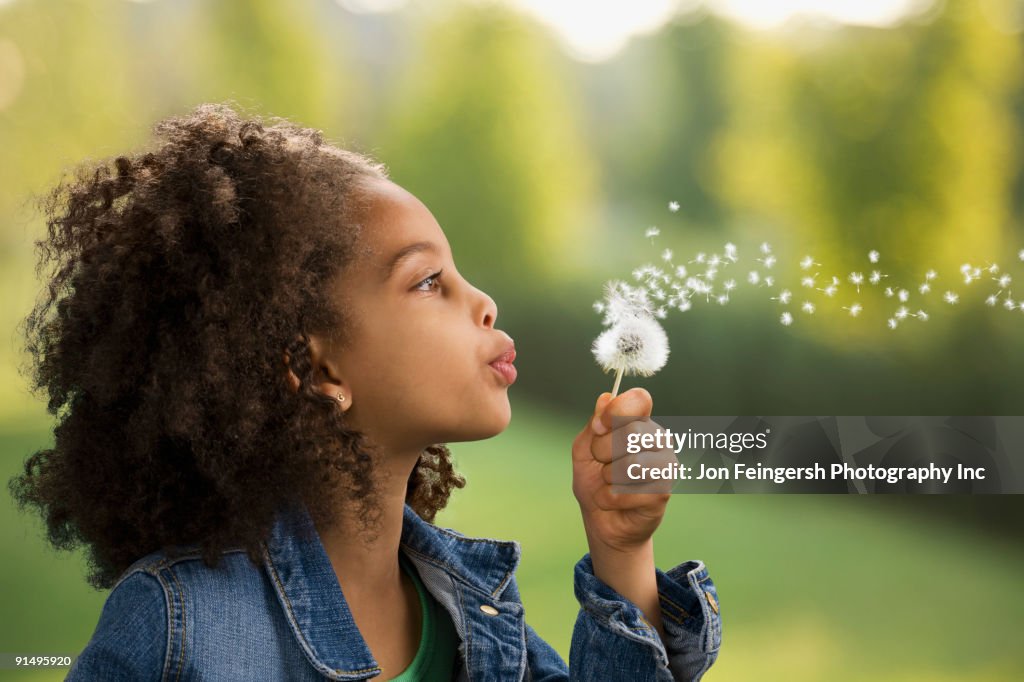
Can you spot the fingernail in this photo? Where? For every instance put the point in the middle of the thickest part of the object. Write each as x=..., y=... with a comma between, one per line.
x=598, y=426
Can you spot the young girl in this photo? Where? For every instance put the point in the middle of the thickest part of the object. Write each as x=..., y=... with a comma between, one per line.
x=256, y=346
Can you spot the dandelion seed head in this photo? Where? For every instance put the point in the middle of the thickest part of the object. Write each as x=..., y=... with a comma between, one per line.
x=873, y=256
x=786, y=319
x=636, y=344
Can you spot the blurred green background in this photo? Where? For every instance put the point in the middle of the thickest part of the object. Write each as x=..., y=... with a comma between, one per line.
x=546, y=137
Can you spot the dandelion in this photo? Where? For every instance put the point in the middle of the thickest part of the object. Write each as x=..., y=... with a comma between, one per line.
x=599, y=307
x=673, y=206
x=636, y=344
x=873, y=256
x=807, y=307
x=854, y=309
x=950, y=298
x=754, y=277
x=666, y=255
x=786, y=319
x=807, y=263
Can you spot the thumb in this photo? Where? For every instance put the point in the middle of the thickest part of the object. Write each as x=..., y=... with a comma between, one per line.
x=596, y=425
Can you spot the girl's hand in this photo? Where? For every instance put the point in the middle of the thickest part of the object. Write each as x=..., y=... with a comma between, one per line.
x=619, y=522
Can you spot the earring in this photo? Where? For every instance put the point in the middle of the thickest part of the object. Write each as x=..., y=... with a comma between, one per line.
x=341, y=398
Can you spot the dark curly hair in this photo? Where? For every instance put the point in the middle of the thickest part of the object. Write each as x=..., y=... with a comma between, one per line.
x=178, y=283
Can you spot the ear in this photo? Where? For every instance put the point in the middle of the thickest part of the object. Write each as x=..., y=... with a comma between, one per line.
x=325, y=373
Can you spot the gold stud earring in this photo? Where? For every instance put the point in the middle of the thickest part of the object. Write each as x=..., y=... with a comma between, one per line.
x=341, y=398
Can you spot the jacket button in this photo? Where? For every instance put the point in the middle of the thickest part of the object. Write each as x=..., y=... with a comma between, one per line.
x=711, y=600
x=489, y=610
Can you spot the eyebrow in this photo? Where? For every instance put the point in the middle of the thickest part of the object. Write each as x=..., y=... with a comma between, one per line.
x=404, y=254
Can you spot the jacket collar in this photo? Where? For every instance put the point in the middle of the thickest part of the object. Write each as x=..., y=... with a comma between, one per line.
x=319, y=616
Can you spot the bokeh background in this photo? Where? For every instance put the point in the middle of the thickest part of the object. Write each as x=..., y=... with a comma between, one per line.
x=546, y=137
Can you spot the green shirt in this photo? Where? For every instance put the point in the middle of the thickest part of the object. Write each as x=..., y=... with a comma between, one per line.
x=439, y=643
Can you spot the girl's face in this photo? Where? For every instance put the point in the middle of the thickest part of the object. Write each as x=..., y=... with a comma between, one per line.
x=417, y=368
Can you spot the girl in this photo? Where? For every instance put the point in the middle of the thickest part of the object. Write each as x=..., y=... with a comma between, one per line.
x=256, y=345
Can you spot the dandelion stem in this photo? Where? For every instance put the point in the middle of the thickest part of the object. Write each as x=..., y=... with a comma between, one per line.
x=618, y=378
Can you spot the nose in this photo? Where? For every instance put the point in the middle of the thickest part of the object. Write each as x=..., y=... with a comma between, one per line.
x=488, y=310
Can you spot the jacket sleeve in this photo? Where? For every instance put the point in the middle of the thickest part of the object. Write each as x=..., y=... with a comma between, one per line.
x=130, y=640
x=613, y=641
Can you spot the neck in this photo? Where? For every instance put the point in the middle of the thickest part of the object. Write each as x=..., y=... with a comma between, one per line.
x=366, y=565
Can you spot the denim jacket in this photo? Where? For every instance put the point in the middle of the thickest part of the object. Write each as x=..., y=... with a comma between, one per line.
x=173, y=618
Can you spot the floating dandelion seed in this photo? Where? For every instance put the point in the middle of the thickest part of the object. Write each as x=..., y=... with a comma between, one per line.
x=715, y=260
x=829, y=291
x=722, y=299
x=673, y=206
x=1020, y=254
x=857, y=279
x=786, y=319
x=921, y=315
x=598, y=307
x=666, y=255
x=892, y=323
x=680, y=271
x=684, y=305
x=873, y=256
x=924, y=288
x=729, y=284
x=783, y=296
x=901, y=313
x=807, y=263
x=992, y=268
x=768, y=261
x=876, y=277
x=730, y=252
x=700, y=258
x=1004, y=281
x=807, y=281
x=652, y=232
x=903, y=295
x=1009, y=303
x=754, y=277
x=854, y=309
x=889, y=293
x=769, y=281
x=930, y=275
x=807, y=307
x=992, y=300
x=950, y=298
x=636, y=344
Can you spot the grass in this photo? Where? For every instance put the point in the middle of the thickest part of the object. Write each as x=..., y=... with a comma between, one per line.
x=812, y=587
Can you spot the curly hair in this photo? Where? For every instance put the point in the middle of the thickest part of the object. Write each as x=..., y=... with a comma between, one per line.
x=176, y=290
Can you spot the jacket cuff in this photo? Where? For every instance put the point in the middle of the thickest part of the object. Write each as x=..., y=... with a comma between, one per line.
x=689, y=610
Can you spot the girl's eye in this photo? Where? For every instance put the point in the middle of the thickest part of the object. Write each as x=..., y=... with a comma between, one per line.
x=431, y=281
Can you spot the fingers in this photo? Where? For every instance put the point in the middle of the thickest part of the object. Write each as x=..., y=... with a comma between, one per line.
x=636, y=403
x=612, y=446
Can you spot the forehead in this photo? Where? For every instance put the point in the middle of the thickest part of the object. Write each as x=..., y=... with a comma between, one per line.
x=393, y=218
